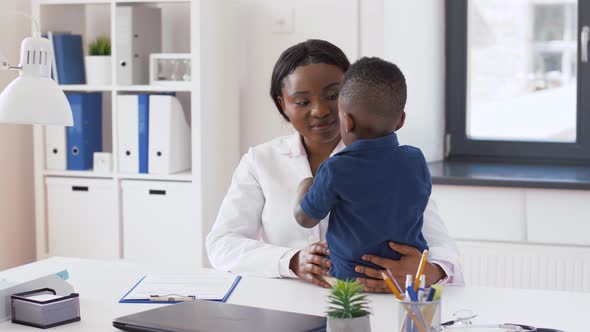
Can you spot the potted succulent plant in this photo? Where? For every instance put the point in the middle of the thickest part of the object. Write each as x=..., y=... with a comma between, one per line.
x=348, y=310
x=98, y=62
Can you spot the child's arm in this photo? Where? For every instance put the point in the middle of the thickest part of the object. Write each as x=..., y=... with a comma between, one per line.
x=303, y=218
x=316, y=196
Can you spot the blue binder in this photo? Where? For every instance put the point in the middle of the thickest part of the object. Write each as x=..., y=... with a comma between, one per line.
x=85, y=136
x=69, y=58
x=144, y=125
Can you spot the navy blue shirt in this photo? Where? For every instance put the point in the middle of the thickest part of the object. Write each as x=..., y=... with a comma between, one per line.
x=376, y=191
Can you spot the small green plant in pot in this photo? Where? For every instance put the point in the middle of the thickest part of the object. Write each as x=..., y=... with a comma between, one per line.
x=101, y=46
x=98, y=62
x=348, y=308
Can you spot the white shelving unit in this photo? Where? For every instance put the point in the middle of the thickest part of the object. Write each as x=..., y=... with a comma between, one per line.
x=207, y=29
x=75, y=87
x=79, y=174
x=153, y=88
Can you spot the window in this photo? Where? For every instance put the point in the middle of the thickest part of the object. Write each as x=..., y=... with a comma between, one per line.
x=515, y=80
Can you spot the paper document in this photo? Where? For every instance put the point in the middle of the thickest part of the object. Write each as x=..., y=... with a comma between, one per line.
x=44, y=297
x=207, y=285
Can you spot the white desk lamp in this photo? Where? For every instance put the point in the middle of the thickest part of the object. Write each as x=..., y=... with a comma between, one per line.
x=33, y=97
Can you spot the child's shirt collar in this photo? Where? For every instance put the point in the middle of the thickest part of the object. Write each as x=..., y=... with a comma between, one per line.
x=372, y=144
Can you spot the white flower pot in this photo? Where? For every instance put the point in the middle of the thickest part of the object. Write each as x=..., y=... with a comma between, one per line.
x=98, y=70
x=359, y=324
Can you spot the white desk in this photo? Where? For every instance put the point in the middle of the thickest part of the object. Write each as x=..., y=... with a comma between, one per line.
x=102, y=283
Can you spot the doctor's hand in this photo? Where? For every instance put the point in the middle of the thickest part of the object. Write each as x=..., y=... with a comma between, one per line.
x=312, y=264
x=407, y=264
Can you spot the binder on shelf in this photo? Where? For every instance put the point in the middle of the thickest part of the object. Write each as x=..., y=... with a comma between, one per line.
x=143, y=125
x=169, y=136
x=138, y=34
x=55, y=148
x=85, y=136
x=49, y=36
x=69, y=58
x=128, y=132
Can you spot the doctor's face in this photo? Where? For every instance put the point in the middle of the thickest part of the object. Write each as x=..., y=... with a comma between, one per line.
x=310, y=101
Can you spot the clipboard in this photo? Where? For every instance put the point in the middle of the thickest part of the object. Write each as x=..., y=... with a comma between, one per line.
x=165, y=296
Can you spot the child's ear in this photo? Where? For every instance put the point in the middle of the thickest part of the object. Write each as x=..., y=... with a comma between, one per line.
x=348, y=122
x=401, y=121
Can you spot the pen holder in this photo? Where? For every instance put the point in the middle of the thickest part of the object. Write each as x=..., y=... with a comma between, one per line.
x=43, y=308
x=418, y=316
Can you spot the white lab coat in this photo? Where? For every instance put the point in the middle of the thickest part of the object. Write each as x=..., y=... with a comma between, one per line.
x=255, y=232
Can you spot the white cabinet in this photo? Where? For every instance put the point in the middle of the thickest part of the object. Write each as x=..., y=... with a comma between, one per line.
x=523, y=265
x=160, y=224
x=558, y=216
x=82, y=218
x=519, y=237
x=479, y=213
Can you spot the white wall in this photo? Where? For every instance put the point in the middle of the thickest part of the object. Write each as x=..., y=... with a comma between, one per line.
x=414, y=40
x=17, y=230
x=394, y=30
x=332, y=20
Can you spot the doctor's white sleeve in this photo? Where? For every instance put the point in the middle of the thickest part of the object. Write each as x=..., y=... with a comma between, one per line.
x=443, y=250
x=233, y=245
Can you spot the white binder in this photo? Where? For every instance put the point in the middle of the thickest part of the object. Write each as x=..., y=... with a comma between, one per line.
x=128, y=133
x=139, y=33
x=55, y=148
x=169, y=136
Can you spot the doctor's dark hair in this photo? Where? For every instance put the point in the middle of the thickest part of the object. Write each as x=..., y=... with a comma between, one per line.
x=311, y=51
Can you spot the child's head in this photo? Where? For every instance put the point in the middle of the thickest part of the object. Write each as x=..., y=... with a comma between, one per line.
x=372, y=99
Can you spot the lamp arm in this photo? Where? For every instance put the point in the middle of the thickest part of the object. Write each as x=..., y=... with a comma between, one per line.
x=3, y=62
x=4, y=65
x=37, y=33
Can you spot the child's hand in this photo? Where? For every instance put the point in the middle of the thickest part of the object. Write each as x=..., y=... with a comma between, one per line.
x=304, y=185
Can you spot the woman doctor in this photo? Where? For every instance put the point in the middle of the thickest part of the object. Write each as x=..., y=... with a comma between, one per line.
x=255, y=232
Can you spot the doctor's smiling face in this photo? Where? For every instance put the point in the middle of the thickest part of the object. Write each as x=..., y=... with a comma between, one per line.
x=309, y=98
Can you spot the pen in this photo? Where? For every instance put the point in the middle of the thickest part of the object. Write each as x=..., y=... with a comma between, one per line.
x=420, y=269
x=392, y=286
x=394, y=281
x=438, y=290
x=413, y=296
x=407, y=324
x=408, y=283
x=172, y=298
x=421, y=296
x=430, y=294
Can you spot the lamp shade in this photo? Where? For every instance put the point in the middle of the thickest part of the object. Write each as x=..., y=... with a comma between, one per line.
x=33, y=97
x=34, y=100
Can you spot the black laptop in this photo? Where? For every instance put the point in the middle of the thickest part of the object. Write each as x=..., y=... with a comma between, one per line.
x=197, y=316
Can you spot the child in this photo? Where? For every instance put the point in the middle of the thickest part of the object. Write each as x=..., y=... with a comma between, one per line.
x=375, y=189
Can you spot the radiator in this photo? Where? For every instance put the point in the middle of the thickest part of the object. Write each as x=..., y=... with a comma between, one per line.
x=525, y=266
